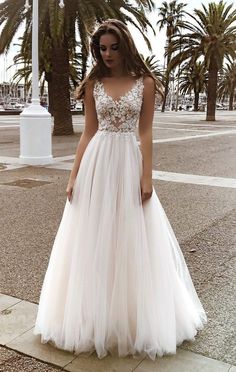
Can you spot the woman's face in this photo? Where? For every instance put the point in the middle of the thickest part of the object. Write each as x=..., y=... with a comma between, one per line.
x=109, y=50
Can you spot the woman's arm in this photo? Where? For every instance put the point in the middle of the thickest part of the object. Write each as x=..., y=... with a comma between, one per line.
x=145, y=135
x=91, y=127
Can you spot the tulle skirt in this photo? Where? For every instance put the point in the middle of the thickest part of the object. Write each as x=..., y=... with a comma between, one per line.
x=116, y=280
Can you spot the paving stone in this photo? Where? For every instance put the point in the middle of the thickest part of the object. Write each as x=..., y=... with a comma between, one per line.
x=7, y=301
x=91, y=363
x=30, y=344
x=16, y=319
x=183, y=361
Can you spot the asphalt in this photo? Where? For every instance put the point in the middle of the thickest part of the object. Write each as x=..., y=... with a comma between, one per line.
x=202, y=216
x=12, y=361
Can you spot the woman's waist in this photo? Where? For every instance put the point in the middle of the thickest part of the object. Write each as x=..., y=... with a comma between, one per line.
x=117, y=134
x=119, y=128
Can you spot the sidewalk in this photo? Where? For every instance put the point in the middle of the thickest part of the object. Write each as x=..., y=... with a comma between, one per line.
x=194, y=175
x=17, y=319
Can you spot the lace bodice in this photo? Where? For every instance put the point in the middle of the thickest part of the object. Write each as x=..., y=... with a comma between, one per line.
x=120, y=115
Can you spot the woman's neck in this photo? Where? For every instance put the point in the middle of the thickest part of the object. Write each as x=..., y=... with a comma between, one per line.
x=117, y=72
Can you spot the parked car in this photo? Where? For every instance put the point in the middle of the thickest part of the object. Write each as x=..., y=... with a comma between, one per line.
x=221, y=106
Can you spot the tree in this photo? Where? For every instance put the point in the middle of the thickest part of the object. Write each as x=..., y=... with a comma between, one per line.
x=24, y=71
x=171, y=16
x=227, y=83
x=154, y=66
x=58, y=40
x=213, y=36
x=193, y=77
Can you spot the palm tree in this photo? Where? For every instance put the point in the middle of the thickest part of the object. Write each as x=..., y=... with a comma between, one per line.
x=154, y=66
x=193, y=77
x=58, y=40
x=227, y=83
x=171, y=16
x=212, y=36
x=24, y=70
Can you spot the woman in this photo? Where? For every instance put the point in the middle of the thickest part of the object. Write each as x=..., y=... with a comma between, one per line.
x=116, y=281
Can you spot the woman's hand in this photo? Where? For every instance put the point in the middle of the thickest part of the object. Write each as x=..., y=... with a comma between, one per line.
x=146, y=188
x=69, y=190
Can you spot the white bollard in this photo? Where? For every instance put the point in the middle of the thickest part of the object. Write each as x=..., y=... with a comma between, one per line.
x=35, y=136
x=35, y=120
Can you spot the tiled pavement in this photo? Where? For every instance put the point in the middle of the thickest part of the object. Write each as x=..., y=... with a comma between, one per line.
x=17, y=321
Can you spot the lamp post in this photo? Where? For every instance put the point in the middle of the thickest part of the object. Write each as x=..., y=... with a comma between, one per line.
x=35, y=120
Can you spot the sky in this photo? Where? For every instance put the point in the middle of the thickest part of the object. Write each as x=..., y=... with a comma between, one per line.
x=157, y=41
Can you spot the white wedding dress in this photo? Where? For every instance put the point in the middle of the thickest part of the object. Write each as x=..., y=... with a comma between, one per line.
x=117, y=280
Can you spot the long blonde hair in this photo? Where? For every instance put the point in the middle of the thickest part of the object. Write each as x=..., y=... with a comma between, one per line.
x=133, y=62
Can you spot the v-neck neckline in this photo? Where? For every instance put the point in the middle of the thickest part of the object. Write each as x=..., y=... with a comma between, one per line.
x=117, y=100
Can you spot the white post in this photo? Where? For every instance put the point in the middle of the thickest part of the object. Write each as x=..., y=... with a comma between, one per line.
x=35, y=121
x=35, y=54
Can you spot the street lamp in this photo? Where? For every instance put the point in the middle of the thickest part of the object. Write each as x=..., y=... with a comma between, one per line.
x=35, y=120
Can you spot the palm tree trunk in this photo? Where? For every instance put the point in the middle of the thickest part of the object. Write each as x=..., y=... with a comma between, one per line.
x=196, y=100
x=177, y=89
x=231, y=99
x=212, y=90
x=167, y=80
x=167, y=77
x=59, y=91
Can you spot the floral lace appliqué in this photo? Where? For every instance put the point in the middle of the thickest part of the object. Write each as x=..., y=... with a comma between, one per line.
x=119, y=115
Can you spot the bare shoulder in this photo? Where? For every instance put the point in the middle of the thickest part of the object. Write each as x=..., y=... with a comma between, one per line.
x=89, y=87
x=148, y=82
x=148, y=89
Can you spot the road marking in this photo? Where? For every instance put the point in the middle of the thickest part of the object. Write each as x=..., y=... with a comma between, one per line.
x=10, y=163
x=9, y=121
x=9, y=160
x=13, y=163
x=186, y=130
x=195, y=124
x=194, y=179
x=8, y=167
x=194, y=137
x=9, y=126
x=64, y=158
